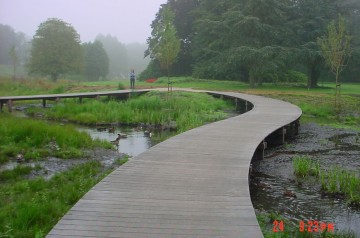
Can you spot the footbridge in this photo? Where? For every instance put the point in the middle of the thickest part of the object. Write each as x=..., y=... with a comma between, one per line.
x=195, y=184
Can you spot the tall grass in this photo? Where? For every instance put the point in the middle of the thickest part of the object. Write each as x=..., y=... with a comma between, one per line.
x=340, y=181
x=12, y=87
x=188, y=110
x=304, y=166
x=33, y=207
x=334, y=181
x=37, y=139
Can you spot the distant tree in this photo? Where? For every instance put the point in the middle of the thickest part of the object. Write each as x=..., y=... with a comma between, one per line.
x=335, y=47
x=8, y=39
x=164, y=45
x=96, y=61
x=135, y=52
x=117, y=53
x=55, y=49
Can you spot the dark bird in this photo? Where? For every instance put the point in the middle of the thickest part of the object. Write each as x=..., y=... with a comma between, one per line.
x=116, y=141
x=111, y=129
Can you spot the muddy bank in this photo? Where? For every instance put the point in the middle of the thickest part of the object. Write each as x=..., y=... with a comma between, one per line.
x=275, y=189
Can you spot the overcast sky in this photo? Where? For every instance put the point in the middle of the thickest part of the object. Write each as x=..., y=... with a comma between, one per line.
x=128, y=20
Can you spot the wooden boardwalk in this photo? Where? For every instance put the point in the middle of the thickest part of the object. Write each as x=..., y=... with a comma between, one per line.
x=56, y=97
x=192, y=185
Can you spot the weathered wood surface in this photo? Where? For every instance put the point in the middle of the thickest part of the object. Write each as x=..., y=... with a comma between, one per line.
x=69, y=95
x=192, y=185
x=56, y=97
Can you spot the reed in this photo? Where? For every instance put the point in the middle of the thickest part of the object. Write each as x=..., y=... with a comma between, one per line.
x=304, y=166
x=340, y=181
x=188, y=110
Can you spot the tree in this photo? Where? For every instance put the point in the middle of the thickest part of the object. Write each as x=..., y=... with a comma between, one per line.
x=240, y=40
x=164, y=45
x=96, y=61
x=335, y=47
x=55, y=49
x=117, y=53
x=9, y=39
x=14, y=59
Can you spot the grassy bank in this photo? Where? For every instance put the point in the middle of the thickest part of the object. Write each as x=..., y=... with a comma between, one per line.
x=30, y=208
x=317, y=104
x=38, y=139
x=188, y=110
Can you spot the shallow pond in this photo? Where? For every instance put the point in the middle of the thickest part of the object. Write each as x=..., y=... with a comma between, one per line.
x=135, y=142
x=273, y=176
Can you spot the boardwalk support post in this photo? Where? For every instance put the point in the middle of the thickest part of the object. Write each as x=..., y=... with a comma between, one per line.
x=260, y=151
x=1, y=106
x=80, y=100
x=44, y=103
x=9, y=104
x=283, y=133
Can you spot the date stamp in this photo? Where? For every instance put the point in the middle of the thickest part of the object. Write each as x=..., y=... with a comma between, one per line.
x=310, y=226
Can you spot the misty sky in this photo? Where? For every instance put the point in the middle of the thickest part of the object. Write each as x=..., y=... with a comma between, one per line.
x=128, y=20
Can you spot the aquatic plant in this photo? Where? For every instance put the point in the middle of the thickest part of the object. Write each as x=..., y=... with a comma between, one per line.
x=304, y=165
x=340, y=181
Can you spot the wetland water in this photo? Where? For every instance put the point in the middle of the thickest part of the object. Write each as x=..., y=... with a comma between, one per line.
x=274, y=175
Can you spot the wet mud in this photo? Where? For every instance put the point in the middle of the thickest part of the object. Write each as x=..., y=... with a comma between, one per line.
x=274, y=188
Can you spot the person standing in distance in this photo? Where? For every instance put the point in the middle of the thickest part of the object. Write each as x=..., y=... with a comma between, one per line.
x=132, y=79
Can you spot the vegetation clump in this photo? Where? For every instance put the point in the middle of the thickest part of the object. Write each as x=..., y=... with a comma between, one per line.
x=304, y=166
x=186, y=110
x=30, y=208
x=37, y=139
x=340, y=182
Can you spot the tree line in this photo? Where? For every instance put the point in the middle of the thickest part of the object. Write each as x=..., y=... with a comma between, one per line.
x=258, y=41
x=56, y=50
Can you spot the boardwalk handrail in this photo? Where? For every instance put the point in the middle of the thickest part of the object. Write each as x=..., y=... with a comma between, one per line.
x=192, y=185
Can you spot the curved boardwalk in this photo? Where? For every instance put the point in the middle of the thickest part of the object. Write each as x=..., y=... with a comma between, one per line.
x=192, y=185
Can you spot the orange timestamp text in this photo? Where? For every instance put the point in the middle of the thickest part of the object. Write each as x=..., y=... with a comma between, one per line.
x=306, y=226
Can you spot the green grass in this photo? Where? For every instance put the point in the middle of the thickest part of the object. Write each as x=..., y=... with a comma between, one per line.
x=188, y=110
x=304, y=166
x=37, y=139
x=33, y=207
x=185, y=82
x=340, y=181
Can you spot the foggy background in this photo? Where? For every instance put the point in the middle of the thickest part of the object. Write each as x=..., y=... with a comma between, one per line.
x=121, y=25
